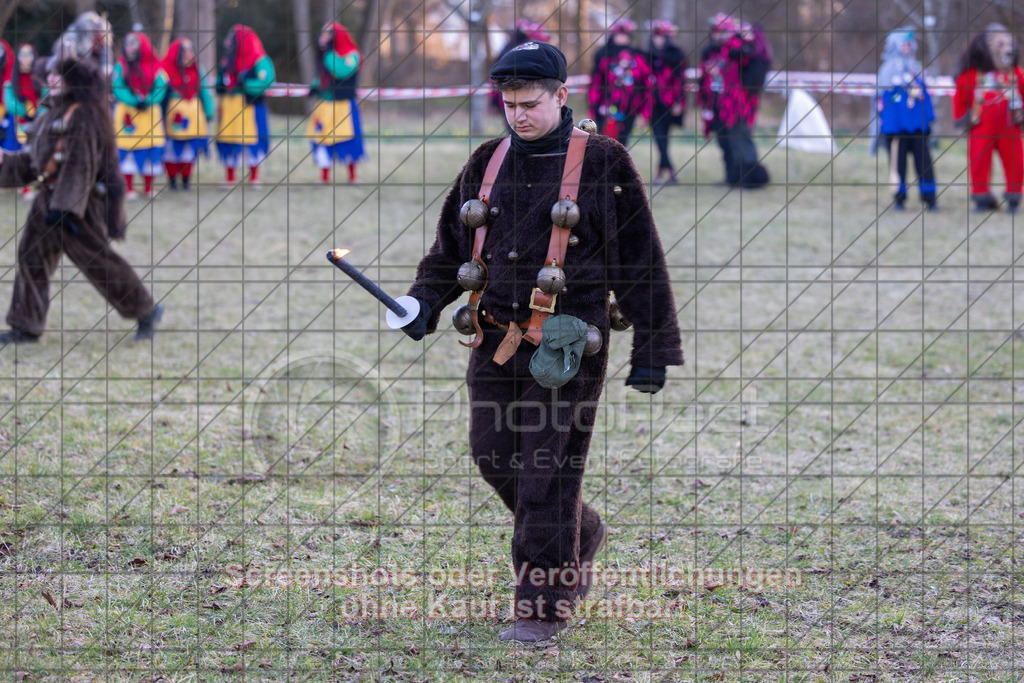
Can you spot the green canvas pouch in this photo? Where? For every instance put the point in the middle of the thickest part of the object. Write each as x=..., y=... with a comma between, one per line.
x=557, y=358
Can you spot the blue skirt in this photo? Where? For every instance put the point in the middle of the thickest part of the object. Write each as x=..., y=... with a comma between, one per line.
x=230, y=153
x=9, y=134
x=347, y=152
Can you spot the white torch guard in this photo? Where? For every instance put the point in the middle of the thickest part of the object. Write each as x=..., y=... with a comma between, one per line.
x=412, y=309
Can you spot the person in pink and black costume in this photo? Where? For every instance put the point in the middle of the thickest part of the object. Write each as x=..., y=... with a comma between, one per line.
x=728, y=106
x=668, y=95
x=619, y=83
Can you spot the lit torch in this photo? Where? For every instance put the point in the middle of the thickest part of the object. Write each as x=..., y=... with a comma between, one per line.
x=401, y=311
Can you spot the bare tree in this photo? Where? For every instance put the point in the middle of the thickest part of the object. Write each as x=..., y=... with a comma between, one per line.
x=167, y=25
x=475, y=13
x=369, y=39
x=304, y=41
x=196, y=19
x=7, y=10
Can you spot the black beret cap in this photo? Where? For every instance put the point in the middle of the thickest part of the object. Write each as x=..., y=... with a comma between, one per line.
x=532, y=61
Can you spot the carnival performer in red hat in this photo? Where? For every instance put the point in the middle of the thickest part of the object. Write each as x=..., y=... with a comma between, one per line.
x=139, y=86
x=190, y=109
x=21, y=95
x=245, y=75
x=335, y=128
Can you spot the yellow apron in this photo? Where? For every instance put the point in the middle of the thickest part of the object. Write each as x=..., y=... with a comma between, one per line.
x=185, y=119
x=236, y=122
x=19, y=128
x=331, y=123
x=138, y=129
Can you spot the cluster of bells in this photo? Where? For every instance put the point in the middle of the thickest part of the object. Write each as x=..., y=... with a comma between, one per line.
x=472, y=275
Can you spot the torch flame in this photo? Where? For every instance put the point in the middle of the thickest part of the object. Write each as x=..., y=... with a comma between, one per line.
x=339, y=253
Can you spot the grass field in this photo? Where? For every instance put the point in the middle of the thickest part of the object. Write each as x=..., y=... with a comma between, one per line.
x=845, y=429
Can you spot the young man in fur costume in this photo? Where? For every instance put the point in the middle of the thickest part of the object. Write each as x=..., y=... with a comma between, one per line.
x=537, y=470
x=988, y=101
x=79, y=208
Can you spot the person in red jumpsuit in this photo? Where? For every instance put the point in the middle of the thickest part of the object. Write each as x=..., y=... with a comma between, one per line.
x=988, y=101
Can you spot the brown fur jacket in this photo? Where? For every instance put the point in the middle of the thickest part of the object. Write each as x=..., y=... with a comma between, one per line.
x=90, y=155
x=619, y=249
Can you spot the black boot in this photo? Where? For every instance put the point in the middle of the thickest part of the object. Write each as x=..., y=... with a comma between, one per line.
x=1013, y=204
x=985, y=202
x=147, y=323
x=172, y=183
x=930, y=203
x=17, y=335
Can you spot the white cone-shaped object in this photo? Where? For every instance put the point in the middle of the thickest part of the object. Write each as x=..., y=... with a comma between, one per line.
x=804, y=126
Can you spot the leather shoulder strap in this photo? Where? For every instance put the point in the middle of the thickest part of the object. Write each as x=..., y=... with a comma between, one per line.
x=480, y=236
x=56, y=159
x=493, y=166
x=544, y=304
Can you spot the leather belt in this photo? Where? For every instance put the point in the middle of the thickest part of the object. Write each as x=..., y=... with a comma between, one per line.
x=525, y=324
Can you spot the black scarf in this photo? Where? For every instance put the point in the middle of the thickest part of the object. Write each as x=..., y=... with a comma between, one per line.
x=555, y=142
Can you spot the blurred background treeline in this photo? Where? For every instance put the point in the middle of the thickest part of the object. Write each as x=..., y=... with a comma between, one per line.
x=453, y=42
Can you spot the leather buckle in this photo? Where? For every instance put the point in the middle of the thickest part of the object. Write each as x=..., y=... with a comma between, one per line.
x=537, y=307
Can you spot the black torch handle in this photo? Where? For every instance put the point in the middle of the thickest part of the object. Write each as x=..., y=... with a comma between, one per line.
x=367, y=284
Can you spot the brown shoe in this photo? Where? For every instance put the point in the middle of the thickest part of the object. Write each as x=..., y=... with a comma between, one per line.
x=531, y=630
x=597, y=542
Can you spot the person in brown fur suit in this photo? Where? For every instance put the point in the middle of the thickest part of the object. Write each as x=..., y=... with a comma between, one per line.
x=529, y=441
x=79, y=208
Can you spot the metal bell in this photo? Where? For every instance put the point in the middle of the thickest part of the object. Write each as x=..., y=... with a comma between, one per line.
x=551, y=279
x=472, y=276
x=565, y=213
x=574, y=241
x=619, y=322
x=473, y=214
x=594, y=341
x=58, y=156
x=462, y=320
x=58, y=127
x=588, y=126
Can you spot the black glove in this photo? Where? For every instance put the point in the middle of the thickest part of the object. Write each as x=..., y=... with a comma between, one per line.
x=62, y=219
x=647, y=380
x=417, y=329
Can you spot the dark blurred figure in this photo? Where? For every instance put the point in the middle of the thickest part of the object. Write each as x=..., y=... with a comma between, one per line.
x=668, y=92
x=729, y=107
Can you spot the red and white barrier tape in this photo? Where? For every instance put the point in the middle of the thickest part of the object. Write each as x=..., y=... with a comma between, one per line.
x=860, y=84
